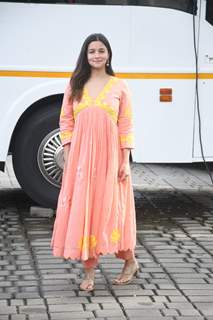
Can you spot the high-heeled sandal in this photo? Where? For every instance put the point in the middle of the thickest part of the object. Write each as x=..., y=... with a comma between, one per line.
x=132, y=273
x=90, y=286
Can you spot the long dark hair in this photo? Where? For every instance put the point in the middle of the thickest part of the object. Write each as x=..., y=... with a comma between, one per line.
x=82, y=70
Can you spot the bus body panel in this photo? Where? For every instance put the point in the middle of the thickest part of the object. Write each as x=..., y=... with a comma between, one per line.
x=156, y=138
x=143, y=39
x=44, y=41
x=27, y=91
x=205, y=89
x=160, y=43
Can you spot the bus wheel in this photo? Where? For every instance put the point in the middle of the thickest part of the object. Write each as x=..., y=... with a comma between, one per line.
x=38, y=156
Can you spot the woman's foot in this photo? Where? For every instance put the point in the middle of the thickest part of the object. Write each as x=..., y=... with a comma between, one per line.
x=88, y=282
x=129, y=270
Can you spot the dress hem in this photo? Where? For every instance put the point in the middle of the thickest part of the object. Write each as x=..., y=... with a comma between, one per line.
x=100, y=253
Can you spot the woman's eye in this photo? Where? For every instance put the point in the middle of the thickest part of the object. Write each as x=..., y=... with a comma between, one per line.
x=100, y=51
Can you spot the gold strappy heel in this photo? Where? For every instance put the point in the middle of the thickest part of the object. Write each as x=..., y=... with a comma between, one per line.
x=91, y=280
x=130, y=272
x=90, y=286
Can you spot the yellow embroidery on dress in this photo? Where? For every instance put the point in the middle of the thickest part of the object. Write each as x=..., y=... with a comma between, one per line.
x=129, y=138
x=113, y=114
x=87, y=242
x=65, y=134
x=98, y=101
x=62, y=112
x=128, y=112
x=115, y=236
x=93, y=241
x=106, y=89
x=83, y=243
x=86, y=102
x=103, y=105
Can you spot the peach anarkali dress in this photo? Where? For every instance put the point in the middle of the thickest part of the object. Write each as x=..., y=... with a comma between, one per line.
x=95, y=212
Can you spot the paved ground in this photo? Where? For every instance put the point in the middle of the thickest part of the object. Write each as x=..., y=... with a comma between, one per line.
x=174, y=248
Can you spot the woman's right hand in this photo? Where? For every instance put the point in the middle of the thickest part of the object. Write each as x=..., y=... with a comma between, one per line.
x=66, y=154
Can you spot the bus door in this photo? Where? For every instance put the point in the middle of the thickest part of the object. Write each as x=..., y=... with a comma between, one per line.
x=205, y=83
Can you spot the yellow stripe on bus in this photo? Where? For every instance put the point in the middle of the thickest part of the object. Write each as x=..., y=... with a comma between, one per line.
x=129, y=75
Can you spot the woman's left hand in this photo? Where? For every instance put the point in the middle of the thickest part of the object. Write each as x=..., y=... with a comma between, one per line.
x=124, y=171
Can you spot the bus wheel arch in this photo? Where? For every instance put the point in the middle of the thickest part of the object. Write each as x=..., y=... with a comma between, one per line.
x=36, y=130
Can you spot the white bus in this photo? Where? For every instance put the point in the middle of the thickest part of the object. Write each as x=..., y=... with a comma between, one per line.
x=163, y=48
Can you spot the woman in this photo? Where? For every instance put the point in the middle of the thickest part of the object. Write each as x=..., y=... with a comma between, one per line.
x=96, y=211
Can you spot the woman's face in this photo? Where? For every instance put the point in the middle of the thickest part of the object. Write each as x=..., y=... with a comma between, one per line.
x=97, y=54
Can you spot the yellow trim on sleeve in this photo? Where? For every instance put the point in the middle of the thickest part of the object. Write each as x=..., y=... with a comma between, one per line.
x=65, y=135
x=129, y=138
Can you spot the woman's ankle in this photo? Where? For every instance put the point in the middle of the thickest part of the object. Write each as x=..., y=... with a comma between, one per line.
x=89, y=271
x=131, y=260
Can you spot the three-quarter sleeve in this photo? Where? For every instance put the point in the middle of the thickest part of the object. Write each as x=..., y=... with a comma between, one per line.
x=66, y=120
x=125, y=118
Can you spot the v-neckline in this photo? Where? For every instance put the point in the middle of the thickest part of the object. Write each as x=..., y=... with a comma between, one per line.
x=102, y=90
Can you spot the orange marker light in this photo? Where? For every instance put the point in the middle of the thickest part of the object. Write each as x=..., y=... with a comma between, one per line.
x=165, y=94
x=166, y=91
x=166, y=98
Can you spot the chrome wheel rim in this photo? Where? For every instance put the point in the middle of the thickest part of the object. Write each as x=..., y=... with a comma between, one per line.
x=50, y=158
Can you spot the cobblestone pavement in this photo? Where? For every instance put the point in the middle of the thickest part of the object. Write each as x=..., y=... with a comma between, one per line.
x=174, y=249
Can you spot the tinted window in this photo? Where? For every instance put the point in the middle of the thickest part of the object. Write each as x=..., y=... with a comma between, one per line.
x=183, y=5
x=209, y=11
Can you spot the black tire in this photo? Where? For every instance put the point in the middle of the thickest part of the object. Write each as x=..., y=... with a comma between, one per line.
x=26, y=146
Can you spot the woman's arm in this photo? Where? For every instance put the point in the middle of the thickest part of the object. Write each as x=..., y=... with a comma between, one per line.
x=125, y=118
x=125, y=129
x=124, y=170
x=66, y=120
x=66, y=148
x=125, y=155
x=66, y=123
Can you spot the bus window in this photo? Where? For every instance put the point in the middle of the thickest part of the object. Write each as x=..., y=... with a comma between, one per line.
x=37, y=1
x=106, y=2
x=209, y=11
x=97, y=2
x=183, y=5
